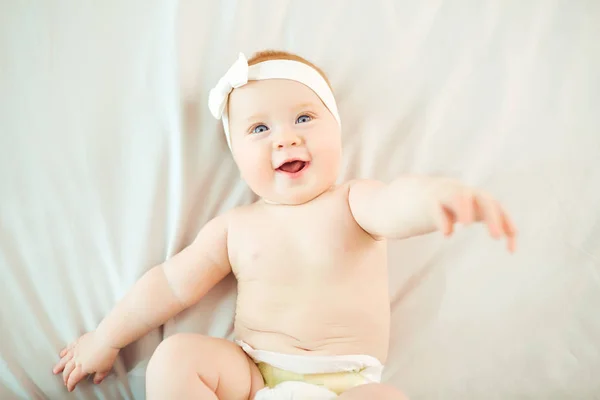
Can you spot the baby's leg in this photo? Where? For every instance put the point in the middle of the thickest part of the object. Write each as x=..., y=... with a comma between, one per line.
x=192, y=366
x=370, y=391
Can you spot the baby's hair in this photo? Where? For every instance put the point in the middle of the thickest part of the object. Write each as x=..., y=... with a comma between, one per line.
x=267, y=55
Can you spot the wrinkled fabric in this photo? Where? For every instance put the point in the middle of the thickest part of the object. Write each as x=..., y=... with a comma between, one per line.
x=110, y=162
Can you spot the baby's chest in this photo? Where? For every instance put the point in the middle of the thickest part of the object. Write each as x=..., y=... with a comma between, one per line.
x=282, y=251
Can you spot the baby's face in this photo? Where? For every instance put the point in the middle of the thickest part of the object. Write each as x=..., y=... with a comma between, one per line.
x=284, y=140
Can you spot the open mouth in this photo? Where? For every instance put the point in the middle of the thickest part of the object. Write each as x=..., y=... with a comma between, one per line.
x=293, y=167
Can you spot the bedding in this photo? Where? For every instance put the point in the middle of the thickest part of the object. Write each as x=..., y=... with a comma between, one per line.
x=110, y=162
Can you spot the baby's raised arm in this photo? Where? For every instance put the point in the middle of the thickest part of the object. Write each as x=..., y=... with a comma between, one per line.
x=161, y=293
x=417, y=205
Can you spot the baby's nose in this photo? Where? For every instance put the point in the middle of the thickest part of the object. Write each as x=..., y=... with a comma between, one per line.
x=286, y=140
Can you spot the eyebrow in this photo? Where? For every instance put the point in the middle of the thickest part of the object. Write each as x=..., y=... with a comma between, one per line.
x=305, y=105
x=256, y=117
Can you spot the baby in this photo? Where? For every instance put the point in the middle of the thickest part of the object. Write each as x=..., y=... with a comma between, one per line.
x=313, y=312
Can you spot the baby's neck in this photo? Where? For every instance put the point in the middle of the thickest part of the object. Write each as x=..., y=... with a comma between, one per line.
x=271, y=202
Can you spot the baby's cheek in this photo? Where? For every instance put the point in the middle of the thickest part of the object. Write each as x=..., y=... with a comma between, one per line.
x=333, y=163
x=257, y=171
x=331, y=150
x=264, y=173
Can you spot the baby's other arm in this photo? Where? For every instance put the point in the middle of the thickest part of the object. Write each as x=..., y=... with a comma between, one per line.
x=417, y=205
x=158, y=295
x=169, y=288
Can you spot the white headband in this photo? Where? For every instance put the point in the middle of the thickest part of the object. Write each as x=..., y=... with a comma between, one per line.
x=240, y=73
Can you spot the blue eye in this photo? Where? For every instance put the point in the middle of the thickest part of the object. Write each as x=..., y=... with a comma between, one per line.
x=303, y=118
x=260, y=129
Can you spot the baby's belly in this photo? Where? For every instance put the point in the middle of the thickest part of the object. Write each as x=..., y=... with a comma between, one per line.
x=317, y=320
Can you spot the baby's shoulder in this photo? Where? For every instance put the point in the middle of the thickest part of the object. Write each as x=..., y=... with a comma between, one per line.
x=244, y=214
x=345, y=190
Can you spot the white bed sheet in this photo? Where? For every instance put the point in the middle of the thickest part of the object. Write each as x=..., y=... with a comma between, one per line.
x=110, y=162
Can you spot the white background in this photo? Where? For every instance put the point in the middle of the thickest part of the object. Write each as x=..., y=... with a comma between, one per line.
x=110, y=162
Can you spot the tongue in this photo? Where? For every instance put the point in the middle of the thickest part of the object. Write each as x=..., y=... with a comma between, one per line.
x=292, y=167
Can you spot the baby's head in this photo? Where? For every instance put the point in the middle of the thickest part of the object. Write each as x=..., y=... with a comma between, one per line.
x=282, y=126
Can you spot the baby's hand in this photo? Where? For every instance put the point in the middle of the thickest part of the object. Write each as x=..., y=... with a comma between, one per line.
x=87, y=355
x=456, y=203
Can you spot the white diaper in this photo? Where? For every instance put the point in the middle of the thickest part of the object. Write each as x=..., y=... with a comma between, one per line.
x=366, y=366
x=292, y=390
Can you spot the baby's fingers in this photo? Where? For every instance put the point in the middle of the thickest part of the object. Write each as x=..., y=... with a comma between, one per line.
x=58, y=368
x=100, y=377
x=444, y=219
x=66, y=349
x=491, y=215
x=510, y=231
x=67, y=371
x=76, y=376
x=464, y=208
x=509, y=226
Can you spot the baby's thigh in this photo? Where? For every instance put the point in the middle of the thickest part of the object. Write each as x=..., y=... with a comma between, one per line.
x=369, y=391
x=218, y=364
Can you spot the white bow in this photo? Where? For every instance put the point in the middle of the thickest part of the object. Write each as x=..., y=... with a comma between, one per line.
x=235, y=77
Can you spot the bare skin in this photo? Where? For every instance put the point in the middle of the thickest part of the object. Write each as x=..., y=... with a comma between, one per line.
x=309, y=257
x=331, y=274
x=181, y=360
